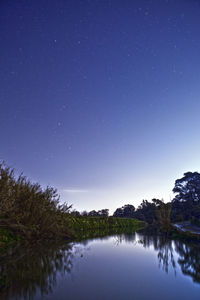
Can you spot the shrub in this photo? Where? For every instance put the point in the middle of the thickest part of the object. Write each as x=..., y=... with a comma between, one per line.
x=28, y=209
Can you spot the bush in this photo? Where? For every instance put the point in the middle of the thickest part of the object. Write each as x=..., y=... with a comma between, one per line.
x=28, y=209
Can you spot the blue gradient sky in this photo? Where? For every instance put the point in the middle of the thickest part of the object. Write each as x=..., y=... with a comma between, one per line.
x=101, y=99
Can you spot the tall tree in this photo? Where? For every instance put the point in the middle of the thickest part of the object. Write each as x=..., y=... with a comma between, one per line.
x=185, y=204
x=163, y=214
x=126, y=211
x=103, y=212
x=188, y=188
x=146, y=212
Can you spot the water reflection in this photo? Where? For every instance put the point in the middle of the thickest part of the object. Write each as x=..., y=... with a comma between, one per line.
x=29, y=270
x=188, y=253
x=128, y=238
x=189, y=260
x=164, y=248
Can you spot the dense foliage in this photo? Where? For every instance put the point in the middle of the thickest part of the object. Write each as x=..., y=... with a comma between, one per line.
x=155, y=213
x=29, y=210
x=126, y=211
x=186, y=204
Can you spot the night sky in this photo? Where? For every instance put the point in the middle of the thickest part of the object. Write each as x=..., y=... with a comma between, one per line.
x=101, y=99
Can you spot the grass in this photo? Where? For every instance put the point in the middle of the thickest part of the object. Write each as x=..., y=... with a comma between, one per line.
x=81, y=224
x=92, y=227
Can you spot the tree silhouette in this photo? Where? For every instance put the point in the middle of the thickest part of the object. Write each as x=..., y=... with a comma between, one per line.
x=186, y=203
x=126, y=211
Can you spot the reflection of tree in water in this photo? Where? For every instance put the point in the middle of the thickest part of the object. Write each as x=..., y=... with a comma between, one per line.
x=189, y=259
x=188, y=254
x=128, y=237
x=164, y=247
x=31, y=269
x=161, y=244
x=28, y=270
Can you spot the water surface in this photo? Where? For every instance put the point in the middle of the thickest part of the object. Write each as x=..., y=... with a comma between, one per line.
x=125, y=266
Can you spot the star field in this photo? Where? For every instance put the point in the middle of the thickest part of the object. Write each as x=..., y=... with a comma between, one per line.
x=101, y=97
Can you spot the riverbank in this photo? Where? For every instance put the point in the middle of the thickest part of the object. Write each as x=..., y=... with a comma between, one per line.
x=79, y=228
x=81, y=223
x=87, y=227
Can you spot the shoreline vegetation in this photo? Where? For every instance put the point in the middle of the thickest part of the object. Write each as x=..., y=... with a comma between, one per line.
x=90, y=227
x=81, y=228
x=30, y=213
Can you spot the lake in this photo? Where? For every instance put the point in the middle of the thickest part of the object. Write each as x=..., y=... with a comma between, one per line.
x=126, y=266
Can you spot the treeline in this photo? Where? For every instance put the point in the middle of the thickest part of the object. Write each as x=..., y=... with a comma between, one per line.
x=35, y=213
x=156, y=213
x=92, y=213
x=184, y=207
